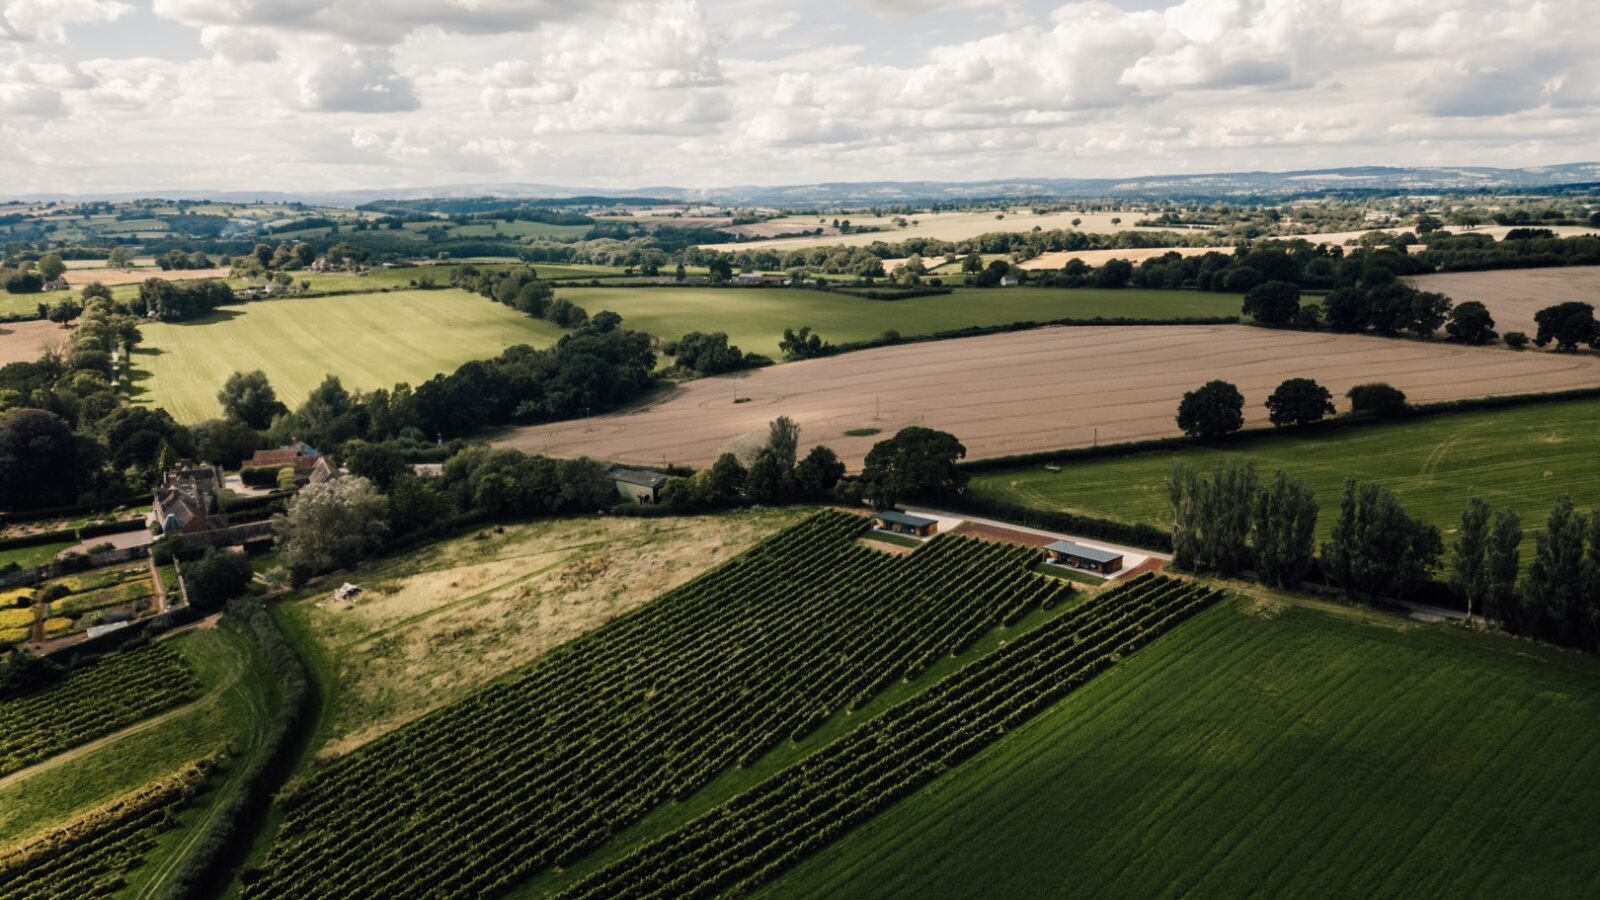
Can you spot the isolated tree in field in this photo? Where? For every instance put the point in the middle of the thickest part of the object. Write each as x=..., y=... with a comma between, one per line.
x=1212, y=410
x=119, y=258
x=1378, y=551
x=1503, y=565
x=332, y=525
x=1568, y=325
x=1471, y=323
x=783, y=439
x=1275, y=303
x=64, y=311
x=1285, y=531
x=1377, y=399
x=916, y=462
x=248, y=397
x=51, y=267
x=1299, y=401
x=1469, y=560
x=1516, y=340
x=216, y=578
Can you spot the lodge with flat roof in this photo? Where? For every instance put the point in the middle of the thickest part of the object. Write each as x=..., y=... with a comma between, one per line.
x=1077, y=556
x=896, y=522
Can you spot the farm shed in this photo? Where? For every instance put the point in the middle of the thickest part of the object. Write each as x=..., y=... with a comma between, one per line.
x=1077, y=556
x=636, y=485
x=903, y=523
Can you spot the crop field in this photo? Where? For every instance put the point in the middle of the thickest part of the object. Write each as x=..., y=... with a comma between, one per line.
x=1043, y=389
x=1097, y=258
x=78, y=278
x=118, y=692
x=1513, y=296
x=1433, y=466
x=27, y=341
x=14, y=305
x=754, y=654
x=459, y=613
x=368, y=340
x=754, y=836
x=755, y=318
x=1267, y=748
x=947, y=226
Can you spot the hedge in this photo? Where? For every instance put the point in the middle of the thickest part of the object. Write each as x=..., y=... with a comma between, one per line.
x=70, y=534
x=979, y=330
x=227, y=839
x=260, y=476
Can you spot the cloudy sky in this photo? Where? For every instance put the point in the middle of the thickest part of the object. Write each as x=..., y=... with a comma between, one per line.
x=108, y=95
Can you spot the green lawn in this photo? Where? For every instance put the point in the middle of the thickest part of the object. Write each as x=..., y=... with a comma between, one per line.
x=1524, y=458
x=1285, y=751
x=13, y=305
x=37, y=555
x=368, y=340
x=755, y=318
x=237, y=695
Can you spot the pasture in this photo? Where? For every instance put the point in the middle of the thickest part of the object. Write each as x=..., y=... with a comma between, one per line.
x=1513, y=296
x=754, y=318
x=456, y=614
x=368, y=340
x=1043, y=389
x=954, y=225
x=1267, y=748
x=1523, y=458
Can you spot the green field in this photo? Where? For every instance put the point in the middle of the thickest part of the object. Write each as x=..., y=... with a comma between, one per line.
x=1523, y=458
x=1266, y=751
x=755, y=318
x=14, y=305
x=368, y=340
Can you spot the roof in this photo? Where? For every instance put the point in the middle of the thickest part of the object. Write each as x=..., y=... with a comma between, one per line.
x=900, y=518
x=640, y=478
x=1093, y=554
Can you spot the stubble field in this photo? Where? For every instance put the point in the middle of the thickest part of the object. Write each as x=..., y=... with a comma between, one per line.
x=1048, y=388
x=1513, y=296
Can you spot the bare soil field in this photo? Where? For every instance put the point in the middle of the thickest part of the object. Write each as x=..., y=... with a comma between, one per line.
x=1051, y=261
x=77, y=278
x=26, y=341
x=1515, y=295
x=1028, y=391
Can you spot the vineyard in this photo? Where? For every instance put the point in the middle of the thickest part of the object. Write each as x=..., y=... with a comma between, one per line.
x=111, y=694
x=753, y=837
x=86, y=857
x=545, y=766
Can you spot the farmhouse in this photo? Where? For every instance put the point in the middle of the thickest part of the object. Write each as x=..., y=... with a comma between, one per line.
x=758, y=278
x=897, y=522
x=1077, y=556
x=310, y=467
x=187, y=502
x=636, y=485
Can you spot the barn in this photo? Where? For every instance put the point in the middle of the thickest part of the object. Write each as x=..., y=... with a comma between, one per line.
x=637, y=485
x=1077, y=556
x=897, y=522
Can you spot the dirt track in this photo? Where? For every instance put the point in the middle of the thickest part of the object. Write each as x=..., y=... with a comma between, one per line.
x=1514, y=295
x=1036, y=390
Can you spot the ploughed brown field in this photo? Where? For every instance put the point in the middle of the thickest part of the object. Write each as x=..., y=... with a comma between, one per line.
x=1028, y=391
x=78, y=278
x=1513, y=296
x=27, y=341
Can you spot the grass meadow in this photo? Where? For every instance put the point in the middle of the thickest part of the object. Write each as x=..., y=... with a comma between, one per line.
x=1266, y=749
x=1523, y=458
x=368, y=340
x=755, y=318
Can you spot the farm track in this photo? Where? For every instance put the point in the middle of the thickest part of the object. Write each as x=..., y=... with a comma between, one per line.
x=1038, y=390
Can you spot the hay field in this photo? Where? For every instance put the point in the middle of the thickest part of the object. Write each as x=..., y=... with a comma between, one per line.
x=1022, y=392
x=1515, y=295
x=948, y=226
x=78, y=278
x=368, y=340
x=1097, y=258
x=754, y=318
x=1265, y=748
x=27, y=341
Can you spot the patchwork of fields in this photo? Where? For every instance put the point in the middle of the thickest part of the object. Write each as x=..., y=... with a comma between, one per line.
x=1036, y=390
x=1266, y=749
x=1513, y=296
x=368, y=340
x=754, y=318
x=953, y=225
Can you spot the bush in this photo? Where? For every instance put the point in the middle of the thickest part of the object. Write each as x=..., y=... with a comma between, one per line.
x=1377, y=399
x=216, y=578
x=259, y=476
x=1516, y=340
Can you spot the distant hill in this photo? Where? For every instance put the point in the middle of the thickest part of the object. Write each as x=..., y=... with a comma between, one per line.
x=1221, y=185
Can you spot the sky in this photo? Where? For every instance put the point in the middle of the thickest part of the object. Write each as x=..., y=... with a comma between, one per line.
x=308, y=95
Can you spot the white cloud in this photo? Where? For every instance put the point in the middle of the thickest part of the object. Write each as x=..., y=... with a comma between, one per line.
x=352, y=79
x=48, y=20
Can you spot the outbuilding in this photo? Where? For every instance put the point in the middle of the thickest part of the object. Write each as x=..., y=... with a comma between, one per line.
x=896, y=522
x=636, y=484
x=1077, y=556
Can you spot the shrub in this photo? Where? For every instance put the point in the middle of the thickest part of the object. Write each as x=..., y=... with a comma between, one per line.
x=1516, y=340
x=1377, y=399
